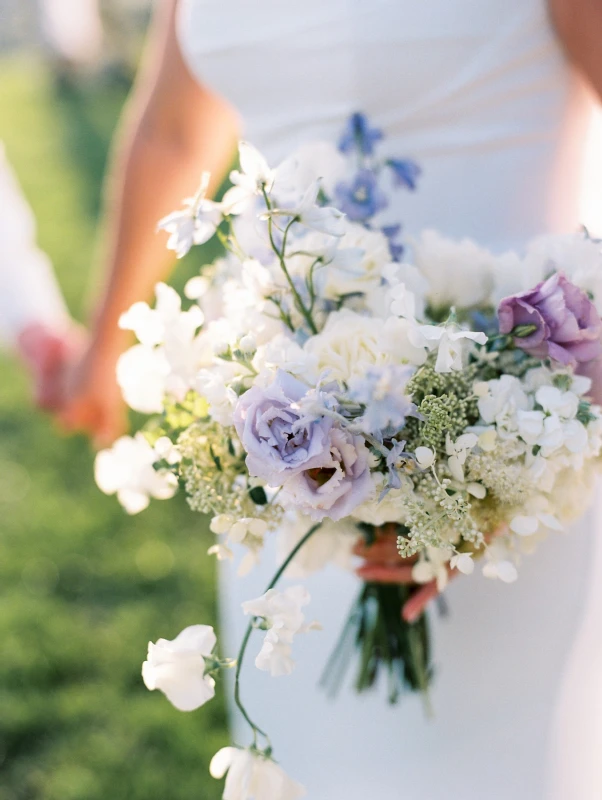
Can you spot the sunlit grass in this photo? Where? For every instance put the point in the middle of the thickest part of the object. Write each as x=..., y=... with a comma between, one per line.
x=82, y=586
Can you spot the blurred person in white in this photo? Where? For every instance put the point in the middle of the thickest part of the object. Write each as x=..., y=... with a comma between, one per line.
x=484, y=94
x=34, y=321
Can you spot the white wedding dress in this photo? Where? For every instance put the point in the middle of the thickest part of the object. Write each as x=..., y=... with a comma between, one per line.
x=476, y=91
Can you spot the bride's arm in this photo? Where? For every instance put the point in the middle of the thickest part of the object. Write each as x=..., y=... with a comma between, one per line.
x=578, y=24
x=172, y=130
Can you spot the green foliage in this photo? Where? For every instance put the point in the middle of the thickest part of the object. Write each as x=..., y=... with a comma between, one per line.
x=83, y=587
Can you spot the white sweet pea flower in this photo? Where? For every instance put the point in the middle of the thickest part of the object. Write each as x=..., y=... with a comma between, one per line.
x=458, y=452
x=126, y=469
x=251, y=775
x=195, y=223
x=451, y=344
x=282, y=618
x=527, y=525
x=254, y=176
x=142, y=374
x=177, y=668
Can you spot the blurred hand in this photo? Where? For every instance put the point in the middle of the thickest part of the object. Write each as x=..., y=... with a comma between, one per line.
x=92, y=401
x=48, y=354
x=383, y=564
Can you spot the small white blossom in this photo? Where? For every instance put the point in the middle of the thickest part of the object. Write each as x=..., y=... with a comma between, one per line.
x=463, y=563
x=194, y=224
x=325, y=219
x=252, y=776
x=458, y=452
x=254, y=176
x=432, y=566
x=126, y=469
x=282, y=616
x=248, y=532
x=451, y=344
x=177, y=668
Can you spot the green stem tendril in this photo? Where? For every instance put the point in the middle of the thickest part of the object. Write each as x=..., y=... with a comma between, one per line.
x=243, y=647
x=281, y=253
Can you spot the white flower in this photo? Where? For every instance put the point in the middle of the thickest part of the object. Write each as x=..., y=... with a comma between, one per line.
x=142, y=375
x=154, y=326
x=451, y=344
x=194, y=224
x=252, y=776
x=310, y=161
x=432, y=566
x=463, y=563
x=555, y=401
x=282, y=618
x=527, y=525
x=458, y=272
x=169, y=353
x=247, y=531
x=254, y=176
x=425, y=457
x=177, y=668
x=325, y=219
x=504, y=398
x=332, y=543
x=498, y=564
x=127, y=470
x=357, y=264
x=213, y=385
x=458, y=452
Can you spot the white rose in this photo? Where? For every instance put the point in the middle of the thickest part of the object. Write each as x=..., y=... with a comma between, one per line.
x=459, y=273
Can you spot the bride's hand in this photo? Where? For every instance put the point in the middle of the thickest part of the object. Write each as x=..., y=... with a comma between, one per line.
x=383, y=564
x=92, y=400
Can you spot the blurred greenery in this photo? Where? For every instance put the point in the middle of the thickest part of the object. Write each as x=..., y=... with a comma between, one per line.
x=83, y=587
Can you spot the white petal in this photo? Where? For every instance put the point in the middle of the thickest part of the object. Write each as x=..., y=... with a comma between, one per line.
x=425, y=457
x=221, y=762
x=523, y=525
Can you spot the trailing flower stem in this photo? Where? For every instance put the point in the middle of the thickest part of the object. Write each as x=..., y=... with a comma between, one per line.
x=250, y=627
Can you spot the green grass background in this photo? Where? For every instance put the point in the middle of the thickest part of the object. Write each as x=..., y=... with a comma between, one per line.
x=83, y=587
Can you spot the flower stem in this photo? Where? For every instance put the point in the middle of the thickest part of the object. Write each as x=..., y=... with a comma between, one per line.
x=243, y=647
x=281, y=252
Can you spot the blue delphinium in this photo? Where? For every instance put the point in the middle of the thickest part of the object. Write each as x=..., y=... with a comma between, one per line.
x=405, y=172
x=362, y=198
x=358, y=135
x=395, y=248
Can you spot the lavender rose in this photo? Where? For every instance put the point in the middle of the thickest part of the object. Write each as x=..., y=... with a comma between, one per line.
x=565, y=324
x=336, y=485
x=278, y=441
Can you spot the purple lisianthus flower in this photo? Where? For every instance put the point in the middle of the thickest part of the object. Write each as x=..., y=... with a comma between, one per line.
x=554, y=320
x=405, y=172
x=362, y=198
x=358, y=135
x=338, y=484
x=280, y=441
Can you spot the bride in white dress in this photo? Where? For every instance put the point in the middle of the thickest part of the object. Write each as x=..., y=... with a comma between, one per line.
x=478, y=92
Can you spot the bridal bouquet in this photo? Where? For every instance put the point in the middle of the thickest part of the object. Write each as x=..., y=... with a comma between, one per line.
x=324, y=385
